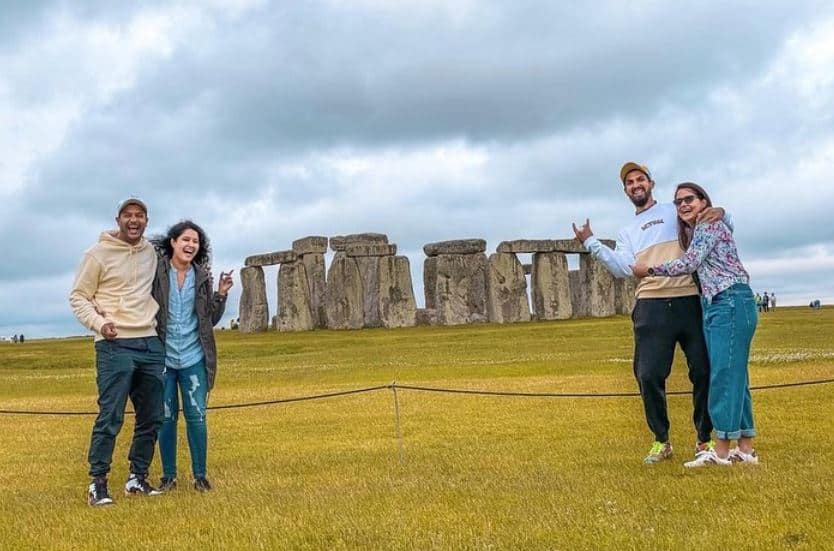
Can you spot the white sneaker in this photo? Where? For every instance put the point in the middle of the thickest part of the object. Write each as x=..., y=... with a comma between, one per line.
x=707, y=457
x=738, y=456
x=137, y=485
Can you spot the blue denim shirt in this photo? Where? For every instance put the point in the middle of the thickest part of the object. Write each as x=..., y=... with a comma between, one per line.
x=182, y=344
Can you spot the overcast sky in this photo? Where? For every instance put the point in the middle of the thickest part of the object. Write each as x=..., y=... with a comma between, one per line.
x=425, y=120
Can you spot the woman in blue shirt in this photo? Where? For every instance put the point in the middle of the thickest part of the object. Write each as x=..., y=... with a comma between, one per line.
x=188, y=311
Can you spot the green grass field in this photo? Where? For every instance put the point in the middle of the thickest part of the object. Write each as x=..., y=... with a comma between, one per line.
x=477, y=472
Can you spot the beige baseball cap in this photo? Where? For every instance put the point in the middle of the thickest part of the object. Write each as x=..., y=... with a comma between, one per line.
x=631, y=165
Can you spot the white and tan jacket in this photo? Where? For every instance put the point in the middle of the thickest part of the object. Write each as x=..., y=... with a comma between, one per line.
x=650, y=239
x=113, y=284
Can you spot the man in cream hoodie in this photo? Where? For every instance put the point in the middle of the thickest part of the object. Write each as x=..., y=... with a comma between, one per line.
x=112, y=297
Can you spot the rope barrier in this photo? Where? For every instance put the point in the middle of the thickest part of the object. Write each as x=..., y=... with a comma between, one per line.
x=395, y=386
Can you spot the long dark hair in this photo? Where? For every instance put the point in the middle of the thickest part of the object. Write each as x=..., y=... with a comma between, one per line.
x=684, y=229
x=162, y=243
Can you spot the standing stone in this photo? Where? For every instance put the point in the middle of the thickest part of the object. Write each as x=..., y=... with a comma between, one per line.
x=460, y=288
x=624, y=295
x=598, y=285
x=430, y=283
x=254, y=312
x=506, y=289
x=343, y=295
x=426, y=316
x=551, y=287
x=294, y=313
x=397, y=307
x=578, y=299
x=369, y=274
x=316, y=279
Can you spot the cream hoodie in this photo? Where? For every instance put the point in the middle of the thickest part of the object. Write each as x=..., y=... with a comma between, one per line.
x=113, y=284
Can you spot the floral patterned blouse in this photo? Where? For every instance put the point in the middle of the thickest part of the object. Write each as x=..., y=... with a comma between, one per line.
x=713, y=254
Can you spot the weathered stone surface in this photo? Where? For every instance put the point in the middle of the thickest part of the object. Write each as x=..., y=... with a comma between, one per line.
x=506, y=289
x=268, y=259
x=339, y=242
x=460, y=288
x=426, y=316
x=551, y=287
x=458, y=246
x=598, y=284
x=370, y=249
x=294, y=312
x=369, y=273
x=312, y=244
x=397, y=307
x=316, y=279
x=624, y=298
x=430, y=283
x=578, y=299
x=253, y=312
x=528, y=268
x=343, y=296
x=527, y=246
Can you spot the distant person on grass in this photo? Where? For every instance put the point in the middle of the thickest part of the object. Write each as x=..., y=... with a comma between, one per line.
x=667, y=311
x=111, y=296
x=185, y=321
x=766, y=302
x=729, y=322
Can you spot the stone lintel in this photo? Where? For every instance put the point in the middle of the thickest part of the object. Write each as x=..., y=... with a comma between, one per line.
x=339, y=243
x=370, y=249
x=457, y=246
x=268, y=259
x=312, y=244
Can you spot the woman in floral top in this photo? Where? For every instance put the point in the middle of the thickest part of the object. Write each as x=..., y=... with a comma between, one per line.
x=729, y=323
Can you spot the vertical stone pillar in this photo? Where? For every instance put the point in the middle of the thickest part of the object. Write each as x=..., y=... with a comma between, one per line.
x=578, y=298
x=311, y=251
x=506, y=289
x=397, y=307
x=551, y=286
x=598, y=284
x=343, y=296
x=624, y=295
x=460, y=288
x=294, y=311
x=369, y=272
x=253, y=312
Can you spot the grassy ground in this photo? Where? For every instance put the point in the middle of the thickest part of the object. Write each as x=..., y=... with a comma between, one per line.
x=477, y=472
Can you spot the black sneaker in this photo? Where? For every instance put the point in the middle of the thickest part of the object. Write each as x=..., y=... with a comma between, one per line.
x=137, y=485
x=97, y=493
x=167, y=484
x=201, y=484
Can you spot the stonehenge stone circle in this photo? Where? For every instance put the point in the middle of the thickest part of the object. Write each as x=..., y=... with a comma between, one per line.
x=367, y=285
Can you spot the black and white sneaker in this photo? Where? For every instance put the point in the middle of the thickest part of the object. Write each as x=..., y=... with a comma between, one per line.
x=97, y=493
x=167, y=484
x=138, y=485
x=201, y=484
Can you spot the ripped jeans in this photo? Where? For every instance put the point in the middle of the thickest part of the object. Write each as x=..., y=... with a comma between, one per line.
x=193, y=386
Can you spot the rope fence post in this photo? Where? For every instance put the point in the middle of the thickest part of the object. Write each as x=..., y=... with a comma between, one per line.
x=397, y=419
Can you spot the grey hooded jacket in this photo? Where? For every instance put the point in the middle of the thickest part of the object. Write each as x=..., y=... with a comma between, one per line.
x=209, y=306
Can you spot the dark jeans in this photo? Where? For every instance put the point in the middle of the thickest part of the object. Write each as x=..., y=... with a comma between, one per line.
x=660, y=324
x=127, y=368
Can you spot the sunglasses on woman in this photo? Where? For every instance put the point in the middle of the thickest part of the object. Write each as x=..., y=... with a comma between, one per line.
x=685, y=200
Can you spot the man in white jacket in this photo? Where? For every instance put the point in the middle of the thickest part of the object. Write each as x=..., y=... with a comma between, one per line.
x=111, y=296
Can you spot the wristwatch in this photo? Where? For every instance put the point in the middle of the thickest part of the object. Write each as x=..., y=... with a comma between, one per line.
x=650, y=271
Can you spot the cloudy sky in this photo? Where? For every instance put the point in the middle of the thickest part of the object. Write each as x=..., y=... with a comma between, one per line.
x=423, y=119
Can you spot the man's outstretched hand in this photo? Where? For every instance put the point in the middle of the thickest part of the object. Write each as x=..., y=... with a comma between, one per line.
x=583, y=232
